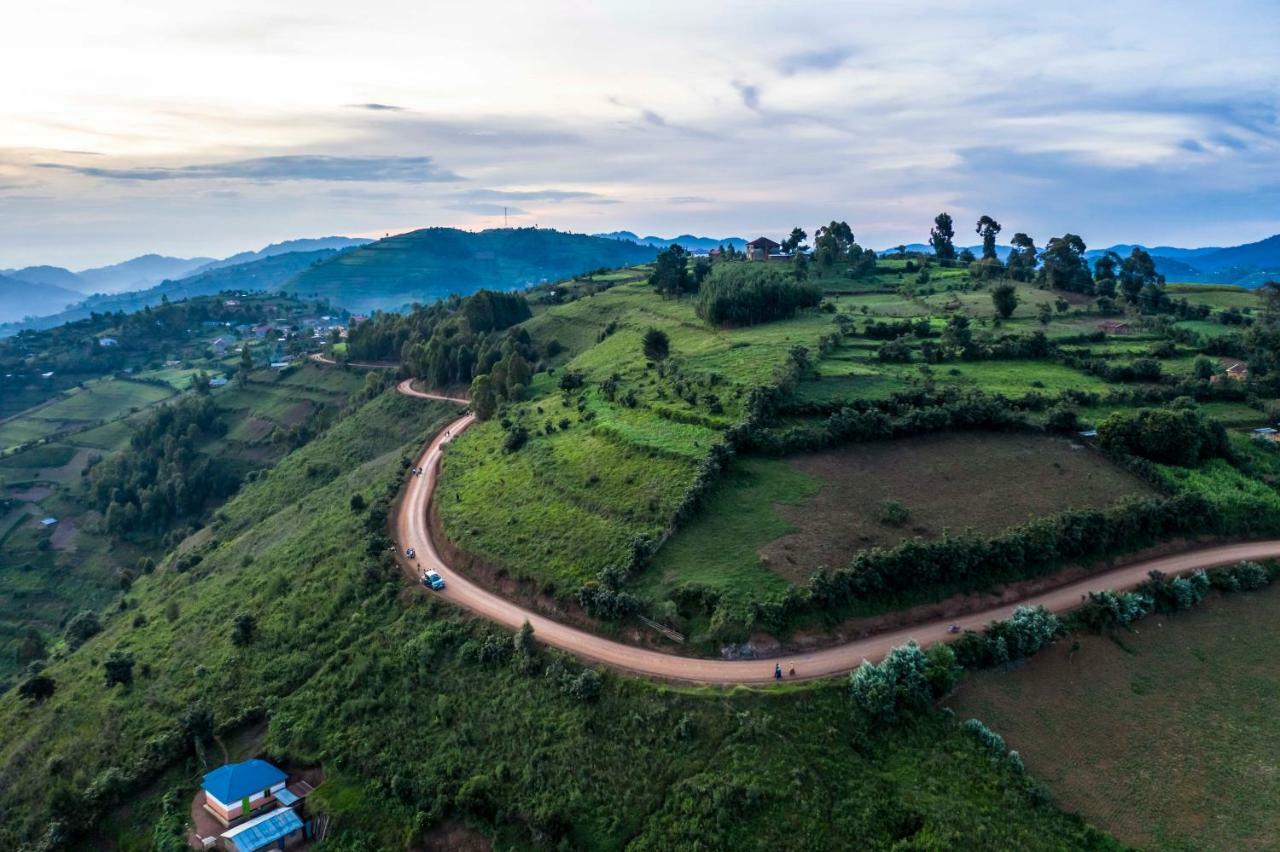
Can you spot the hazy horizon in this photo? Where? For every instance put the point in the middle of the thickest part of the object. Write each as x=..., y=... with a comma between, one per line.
x=208, y=131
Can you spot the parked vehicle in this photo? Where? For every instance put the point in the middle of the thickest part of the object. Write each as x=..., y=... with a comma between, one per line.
x=411, y=553
x=432, y=580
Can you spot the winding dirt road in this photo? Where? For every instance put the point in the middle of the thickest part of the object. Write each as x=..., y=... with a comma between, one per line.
x=413, y=531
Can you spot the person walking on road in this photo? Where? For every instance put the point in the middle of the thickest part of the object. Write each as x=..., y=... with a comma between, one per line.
x=777, y=671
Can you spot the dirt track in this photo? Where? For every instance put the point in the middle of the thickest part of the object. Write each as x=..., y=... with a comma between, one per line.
x=412, y=531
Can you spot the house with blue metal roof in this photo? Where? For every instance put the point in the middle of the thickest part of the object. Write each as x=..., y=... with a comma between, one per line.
x=237, y=789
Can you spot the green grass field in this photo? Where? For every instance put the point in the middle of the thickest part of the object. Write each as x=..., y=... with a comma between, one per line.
x=102, y=400
x=1165, y=736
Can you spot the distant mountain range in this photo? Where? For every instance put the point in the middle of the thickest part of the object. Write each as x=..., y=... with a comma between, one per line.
x=688, y=241
x=357, y=274
x=22, y=298
x=141, y=281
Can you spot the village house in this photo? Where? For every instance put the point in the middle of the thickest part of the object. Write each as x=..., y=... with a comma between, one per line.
x=220, y=345
x=762, y=248
x=108, y=341
x=236, y=790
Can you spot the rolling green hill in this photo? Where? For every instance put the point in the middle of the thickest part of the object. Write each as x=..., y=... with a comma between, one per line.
x=425, y=265
x=267, y=274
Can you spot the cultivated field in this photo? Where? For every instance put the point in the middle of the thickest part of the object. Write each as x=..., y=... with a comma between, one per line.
x=775, y=521
x=1166, y=736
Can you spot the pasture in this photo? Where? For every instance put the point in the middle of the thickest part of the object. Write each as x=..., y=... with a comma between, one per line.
x=1165, y=736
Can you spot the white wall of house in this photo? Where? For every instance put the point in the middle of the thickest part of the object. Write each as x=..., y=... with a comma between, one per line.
x=253, y=800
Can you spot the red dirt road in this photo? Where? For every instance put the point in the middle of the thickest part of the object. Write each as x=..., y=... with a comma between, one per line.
x=412, y=531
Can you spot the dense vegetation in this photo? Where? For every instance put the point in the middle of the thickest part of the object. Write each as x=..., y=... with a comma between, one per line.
x=432, y=263
x=748, y=294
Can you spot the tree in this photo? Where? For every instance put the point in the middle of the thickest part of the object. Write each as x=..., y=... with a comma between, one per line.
x=523, y=640
x=1005, y=299
x=1045, y=314
x=1064, y=266
x=656, y=345
x=832, y=242
x=988, y=228
x=246, y=364
x=484, y=402
x=670, y=275
x=1022, y=259
x=357, y=502
x=1138, y=271
x=243, y=628
x=119, y=668
x=1204, y=368
x=795, y=242
x=942, y=238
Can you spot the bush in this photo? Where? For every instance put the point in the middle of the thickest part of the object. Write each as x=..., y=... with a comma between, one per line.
x=119, y=668
x=244, y=627
x=1177, y=436
x=905, y=681
x=749, y=293
x=516, y=438
x=82, y=628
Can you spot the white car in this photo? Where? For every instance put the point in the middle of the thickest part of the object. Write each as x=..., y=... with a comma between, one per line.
x=432, y=580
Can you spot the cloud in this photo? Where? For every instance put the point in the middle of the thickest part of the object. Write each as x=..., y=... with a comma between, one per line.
x=750, y=94
x=281, y=168
x=484, y=209
x=688, y=199
x=814, y=60
x=651, y=117
x=551, y=195
x=376, y=107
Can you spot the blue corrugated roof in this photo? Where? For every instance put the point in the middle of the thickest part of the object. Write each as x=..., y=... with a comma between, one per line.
x=231, y=783
x=264, y=830
x=284, y=797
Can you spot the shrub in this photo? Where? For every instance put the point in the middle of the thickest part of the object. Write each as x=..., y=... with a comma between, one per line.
x=119, y=668
x=906, y=680
x=516, y=438
x=893, y=513
x=1178, y=436
x=243, y=628
x=84, y=626
x=750, y=293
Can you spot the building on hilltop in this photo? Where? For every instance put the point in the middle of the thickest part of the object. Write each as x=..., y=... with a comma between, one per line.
x=762, y=248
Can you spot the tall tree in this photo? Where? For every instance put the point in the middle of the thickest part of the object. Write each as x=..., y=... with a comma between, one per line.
x=988, y=228
x=1064, y=266
x=795, y=242
x=942, y=238
x=831, y=242
x=670, y=275
x=1022, y=260
x=1137, y=271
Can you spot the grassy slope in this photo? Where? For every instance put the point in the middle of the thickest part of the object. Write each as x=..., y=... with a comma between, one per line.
x=1166, y=736
x=569, y=503
x=412, y=727
x=42, y=586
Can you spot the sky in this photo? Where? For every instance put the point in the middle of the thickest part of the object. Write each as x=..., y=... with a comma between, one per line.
x=211, y=127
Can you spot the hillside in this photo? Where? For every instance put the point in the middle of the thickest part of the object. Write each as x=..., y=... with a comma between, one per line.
x=425, y=265
x=139, y=272
x=268, y=274
x=286, y=247
x=20, y=298
x=54, y=275
x=408, y=707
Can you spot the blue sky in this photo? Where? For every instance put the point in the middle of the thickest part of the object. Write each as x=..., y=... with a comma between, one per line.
x=204, y=128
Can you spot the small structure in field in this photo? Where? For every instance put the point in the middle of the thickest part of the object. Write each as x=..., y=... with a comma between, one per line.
x=48, y=522
x=1266, y=433
x=761, y=248
x=1112, y=327
x=235, y=790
